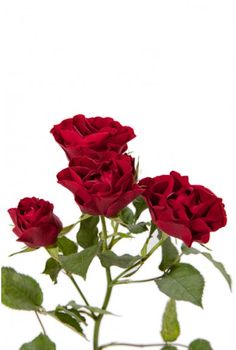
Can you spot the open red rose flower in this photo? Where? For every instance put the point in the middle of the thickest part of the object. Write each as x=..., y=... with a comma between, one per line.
x=79, y=133
x=188, y=212
x=103, y=183
x=35, y=223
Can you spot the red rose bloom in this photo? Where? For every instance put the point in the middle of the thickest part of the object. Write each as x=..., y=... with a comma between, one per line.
x=188, y=212
x=35, y=223
x=103, y=183
x=79, y=133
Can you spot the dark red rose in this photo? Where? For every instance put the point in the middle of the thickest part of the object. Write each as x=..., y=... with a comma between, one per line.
x=103, y=183
x=78, y=134
x=35, y=223
x=188, y=212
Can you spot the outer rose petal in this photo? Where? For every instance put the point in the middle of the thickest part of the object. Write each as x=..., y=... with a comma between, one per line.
x=13, y=215
x=176, y=230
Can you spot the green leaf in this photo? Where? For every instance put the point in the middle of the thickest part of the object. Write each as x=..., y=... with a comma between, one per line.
x=200, y=344
x=24, y=250
x=138, y=228
x=71, y=312
x=71, y=318
x=19, y=291
x=186, y=250
x=169, y=254
x=109, y=258
x=42, y=342
x=87, y=235
x=170, y=325
x=220, y=267
x=66, y=245
x=78, y=263
x=169, y=347
x=127, y=216
x=140, y=205
x=183, y=282
x=88, y=307
x=52, y=268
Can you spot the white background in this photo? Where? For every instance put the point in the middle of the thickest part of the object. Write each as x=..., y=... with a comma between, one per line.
x=167, y=69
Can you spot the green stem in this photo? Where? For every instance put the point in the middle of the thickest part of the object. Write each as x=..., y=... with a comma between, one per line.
x=104, y=306
x=108, y=290
x=78, y=288
x=139, y=345
x=41, y=323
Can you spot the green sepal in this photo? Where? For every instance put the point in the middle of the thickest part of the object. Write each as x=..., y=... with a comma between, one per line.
x=169, y=347
x=68, y=228
x=24, y=250
x=140, y=205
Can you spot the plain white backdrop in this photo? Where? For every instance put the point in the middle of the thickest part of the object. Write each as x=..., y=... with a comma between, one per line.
x=166, y=68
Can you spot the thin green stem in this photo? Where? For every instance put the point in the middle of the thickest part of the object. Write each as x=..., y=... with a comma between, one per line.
x=78, y=288
x=156, y=246
x=113, y=236
x=139, y=345
x=104, y=233
x=41, y=323
x=139, y=281
x=143, y=259
x=140, y=262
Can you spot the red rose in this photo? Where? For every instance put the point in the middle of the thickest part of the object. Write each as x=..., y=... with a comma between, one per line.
x=99, y=134
x=188, y=212
x=103, y=183
x=35, y=223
